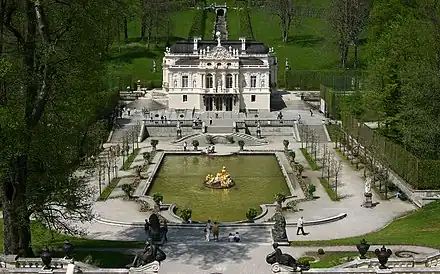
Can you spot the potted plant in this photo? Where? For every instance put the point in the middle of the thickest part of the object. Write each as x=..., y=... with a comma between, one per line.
x=300, y=169
x=185, y=214
x=195, y=144
x=363, y=248
x=251, y=214
x=292, y=156
x=241, y=144
x=158, y=198
x=280, y=198
x=311, y=188
x=154, y=143
x=147, y=156
x=286, y=144
x=128, y=190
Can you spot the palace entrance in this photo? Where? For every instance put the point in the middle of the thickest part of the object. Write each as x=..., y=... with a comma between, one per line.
x=219, y=102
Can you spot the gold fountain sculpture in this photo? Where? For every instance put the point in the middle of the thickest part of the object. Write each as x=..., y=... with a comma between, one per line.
x=220, y=180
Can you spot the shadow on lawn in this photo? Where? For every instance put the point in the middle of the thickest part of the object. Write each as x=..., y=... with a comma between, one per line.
x=305, y=40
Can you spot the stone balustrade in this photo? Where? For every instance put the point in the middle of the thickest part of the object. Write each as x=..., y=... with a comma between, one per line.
x=431, y=261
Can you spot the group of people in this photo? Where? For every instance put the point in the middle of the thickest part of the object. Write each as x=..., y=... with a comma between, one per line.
x=214, y=229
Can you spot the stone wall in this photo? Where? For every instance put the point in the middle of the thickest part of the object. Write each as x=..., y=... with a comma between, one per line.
x=161, y=131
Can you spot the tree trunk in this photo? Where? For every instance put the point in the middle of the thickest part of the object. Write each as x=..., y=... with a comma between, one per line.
x=355, y=57
x=125, y=30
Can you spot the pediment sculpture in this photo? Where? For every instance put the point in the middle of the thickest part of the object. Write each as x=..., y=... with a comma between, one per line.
x=219, y=52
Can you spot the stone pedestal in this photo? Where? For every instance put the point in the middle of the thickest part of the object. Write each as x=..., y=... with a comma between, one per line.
x=368, y=200
x=278, y=268
x=146, y=269
x=179, y=133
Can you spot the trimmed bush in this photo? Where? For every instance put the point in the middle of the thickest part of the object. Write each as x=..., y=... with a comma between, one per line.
x=185, y=214
x=230, y=139
x=280, y=198
x=311, y=188
x=128, y=190
x=321, y=251
x=154, y=143
x=241, y=144
x=286, y=144
x=198, y=24
x=251, y=214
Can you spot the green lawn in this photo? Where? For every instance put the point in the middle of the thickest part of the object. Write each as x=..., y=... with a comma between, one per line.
x=42, y=237
x=233, y=21
x=421, y=227
x=309, y=159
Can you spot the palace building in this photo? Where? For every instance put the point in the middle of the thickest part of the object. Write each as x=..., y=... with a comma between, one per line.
x=212, y=75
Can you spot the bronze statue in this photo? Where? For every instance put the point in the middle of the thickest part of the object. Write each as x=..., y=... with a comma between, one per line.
x=155, y=233
x=277, y=256
x=150, y=254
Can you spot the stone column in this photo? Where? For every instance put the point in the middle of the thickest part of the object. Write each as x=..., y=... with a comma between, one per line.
x=202, y=80
x=214, y=81
x=223, y=80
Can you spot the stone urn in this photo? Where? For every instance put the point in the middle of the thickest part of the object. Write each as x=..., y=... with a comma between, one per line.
x=363, y=248
x=382, y=255
x=46, y=257
x=68, y=249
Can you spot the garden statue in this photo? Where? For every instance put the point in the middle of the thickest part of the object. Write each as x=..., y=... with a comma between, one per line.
x=155, y=233
x=279, y=229
x=284, y=262
x=151, y=253
x=218, y=34
x=368, y=185
x=368, y=195
x=220, y=180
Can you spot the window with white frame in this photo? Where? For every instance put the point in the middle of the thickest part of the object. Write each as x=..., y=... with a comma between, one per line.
x=253, y=81
x=184, y=81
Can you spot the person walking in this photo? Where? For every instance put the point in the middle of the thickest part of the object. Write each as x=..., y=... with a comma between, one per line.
x=185, y=144
x=210, y=121
x=208, y=228
x=311, y=112
x=215, y=231
x=300, y=226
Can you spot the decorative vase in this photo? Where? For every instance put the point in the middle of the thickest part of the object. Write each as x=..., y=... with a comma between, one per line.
x=46, y=257
x=382, y=255
x=363, y=248
x=68, y=249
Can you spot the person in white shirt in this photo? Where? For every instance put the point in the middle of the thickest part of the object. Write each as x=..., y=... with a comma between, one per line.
x=300, y=226
x=230, y=237
x=208, y=229
x=236, y=237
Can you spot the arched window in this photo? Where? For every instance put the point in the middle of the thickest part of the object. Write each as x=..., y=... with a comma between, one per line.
x=194, y=83
x=209, y=80
x=175, y=83
x=229, y=81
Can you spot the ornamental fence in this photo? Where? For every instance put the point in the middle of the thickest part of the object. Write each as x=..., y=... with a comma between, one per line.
x=419, y=173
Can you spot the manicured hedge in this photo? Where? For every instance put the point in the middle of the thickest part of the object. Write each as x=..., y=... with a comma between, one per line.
x=312, y=79
x=198, y=24
x=245, y=24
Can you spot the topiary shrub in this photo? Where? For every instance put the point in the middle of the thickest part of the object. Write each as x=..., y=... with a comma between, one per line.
x=185, y=214
x=321, y=251
x=251, y=214
x=292, y=156
x=280, y=198
x=128, y=190
x=230, y=139
x=146, y=156
x=195, y=144
x=299, y=168
x=311, y=188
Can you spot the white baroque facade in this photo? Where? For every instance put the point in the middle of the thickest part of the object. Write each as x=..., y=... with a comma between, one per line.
x=219, y=75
